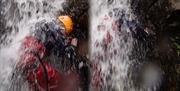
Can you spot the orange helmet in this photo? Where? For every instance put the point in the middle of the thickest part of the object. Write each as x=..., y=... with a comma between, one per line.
x=67, y=21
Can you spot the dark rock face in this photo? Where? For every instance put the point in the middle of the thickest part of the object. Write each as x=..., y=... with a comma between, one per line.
x=160, y=17
x=79, y=10
x=172, y=33
x=152, y=13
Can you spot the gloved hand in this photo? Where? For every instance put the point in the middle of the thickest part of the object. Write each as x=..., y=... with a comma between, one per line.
x=74, y=42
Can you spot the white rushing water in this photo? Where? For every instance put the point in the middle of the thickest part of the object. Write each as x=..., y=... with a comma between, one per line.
x=112, y=45
x=111, y=41
x=112, y=57
x=21, y=15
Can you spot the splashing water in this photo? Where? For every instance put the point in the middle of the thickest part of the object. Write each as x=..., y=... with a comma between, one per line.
x=20, y=16
x=112, y=45
x=110, y=50
x=111, y=40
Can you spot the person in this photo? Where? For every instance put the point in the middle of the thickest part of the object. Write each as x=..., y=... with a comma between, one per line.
x=48, y=58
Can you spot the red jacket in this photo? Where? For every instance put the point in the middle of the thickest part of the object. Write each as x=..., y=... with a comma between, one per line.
x=36, y=76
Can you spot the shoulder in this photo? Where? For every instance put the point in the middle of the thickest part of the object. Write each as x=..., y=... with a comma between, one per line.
x=45, y=29
x=44, y=25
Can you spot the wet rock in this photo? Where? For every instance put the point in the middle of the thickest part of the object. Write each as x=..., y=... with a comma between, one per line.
x=152, y=13
x=175, y=4
x=159, y=16
x=78, y=9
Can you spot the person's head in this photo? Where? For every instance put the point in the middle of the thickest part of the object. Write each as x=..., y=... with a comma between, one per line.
x=67, y=22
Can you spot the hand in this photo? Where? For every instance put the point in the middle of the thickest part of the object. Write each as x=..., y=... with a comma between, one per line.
x=74, y=42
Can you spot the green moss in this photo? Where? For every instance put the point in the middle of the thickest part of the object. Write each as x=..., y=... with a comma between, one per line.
x=176, y=44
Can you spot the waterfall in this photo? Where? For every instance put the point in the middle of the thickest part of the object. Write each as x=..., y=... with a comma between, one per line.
x=112, y=45
x=20, y=17
x=111, y=42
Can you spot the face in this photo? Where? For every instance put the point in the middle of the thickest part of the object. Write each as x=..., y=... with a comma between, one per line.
x=62, y=28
